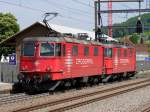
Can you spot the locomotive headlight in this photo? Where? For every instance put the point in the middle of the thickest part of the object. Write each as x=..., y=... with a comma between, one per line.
x=24, y=68
x=36, y=63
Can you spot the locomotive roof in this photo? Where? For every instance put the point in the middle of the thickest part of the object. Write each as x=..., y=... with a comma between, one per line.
x=61, y=39
x=118, y=45
x=74, y=40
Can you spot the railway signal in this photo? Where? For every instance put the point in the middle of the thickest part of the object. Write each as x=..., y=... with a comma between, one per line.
x=139, y=27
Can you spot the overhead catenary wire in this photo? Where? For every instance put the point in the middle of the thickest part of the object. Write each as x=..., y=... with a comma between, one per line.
x=83, y=3
x=43, y=11
x=67, y=8
x=22, y=6
x=77, y=19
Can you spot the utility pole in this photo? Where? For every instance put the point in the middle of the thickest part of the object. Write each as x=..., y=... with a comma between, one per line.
x=95, y=6
x=147, y=4
x=98, y=12
x=110, y=19
x=139, y=8
x=97, y=20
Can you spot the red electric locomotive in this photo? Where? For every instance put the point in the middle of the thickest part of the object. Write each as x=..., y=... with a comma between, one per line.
x=48, y=62
x=119, y=61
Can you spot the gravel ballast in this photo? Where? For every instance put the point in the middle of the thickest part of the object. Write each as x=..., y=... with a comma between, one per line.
x=17, y=105
x=134, y=101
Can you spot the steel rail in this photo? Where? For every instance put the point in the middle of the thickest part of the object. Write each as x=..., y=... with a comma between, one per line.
x=139, y=84
x=146, y=109
x=13, y=98
x=97, y=99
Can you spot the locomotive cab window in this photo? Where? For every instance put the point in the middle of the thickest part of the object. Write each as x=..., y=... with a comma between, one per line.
x=130, y=51
x=86, y=51
x=95, y=51
x=28, y=49
x=108, y=52
x=75, y=51
x=64, y=50
x=119, y=53
x=47, y=49
x=125, y=53
x=58, y=49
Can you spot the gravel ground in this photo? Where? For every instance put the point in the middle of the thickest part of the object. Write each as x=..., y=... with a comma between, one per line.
x=143, y=74
x=10, y=107
x=129, y=102
x=13, y=106
x=5, y=86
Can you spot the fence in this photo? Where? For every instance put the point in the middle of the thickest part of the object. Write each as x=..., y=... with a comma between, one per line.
x=8, y=73
x=143, y=65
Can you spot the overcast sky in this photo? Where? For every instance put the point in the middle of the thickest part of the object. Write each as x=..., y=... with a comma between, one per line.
x=72, y=13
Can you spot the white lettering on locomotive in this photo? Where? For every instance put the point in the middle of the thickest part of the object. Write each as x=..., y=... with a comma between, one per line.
x=84, y=61
x=124, y=61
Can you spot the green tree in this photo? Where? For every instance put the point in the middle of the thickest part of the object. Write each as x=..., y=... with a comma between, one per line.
x=8, y=27
x=134, y=38
x=130, y=26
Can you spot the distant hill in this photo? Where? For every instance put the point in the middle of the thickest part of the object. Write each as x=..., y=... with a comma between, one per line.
x=120, y=31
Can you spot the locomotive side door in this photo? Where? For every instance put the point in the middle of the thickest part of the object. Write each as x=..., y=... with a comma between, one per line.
x=108, y=63
x=67, y=61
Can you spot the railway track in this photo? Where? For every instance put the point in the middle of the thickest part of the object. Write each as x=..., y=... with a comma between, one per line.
x=12, y=98
x=146, y=109
x=7, y=99
x=80, y=100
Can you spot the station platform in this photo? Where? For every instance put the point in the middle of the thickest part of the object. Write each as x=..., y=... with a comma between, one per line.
x=5, y=87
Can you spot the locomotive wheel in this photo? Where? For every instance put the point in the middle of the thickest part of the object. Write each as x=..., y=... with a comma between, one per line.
x=94, y=81
x=73, y=83
x=33, y=87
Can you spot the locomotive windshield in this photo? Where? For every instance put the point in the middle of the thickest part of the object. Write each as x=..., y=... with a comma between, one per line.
x=47, y=49
x=28, y=49
x=50, y=49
